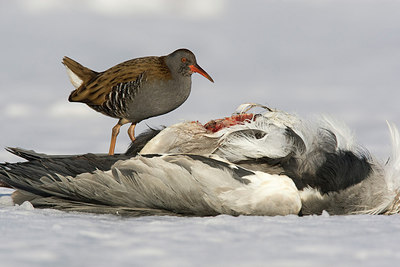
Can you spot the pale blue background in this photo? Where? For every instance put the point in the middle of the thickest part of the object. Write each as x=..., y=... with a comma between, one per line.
x=336, y=57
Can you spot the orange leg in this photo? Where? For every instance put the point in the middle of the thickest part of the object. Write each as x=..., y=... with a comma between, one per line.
x=115, y=132
x=131, y=131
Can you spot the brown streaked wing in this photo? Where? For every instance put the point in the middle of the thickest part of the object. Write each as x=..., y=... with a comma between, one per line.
x=95, y=91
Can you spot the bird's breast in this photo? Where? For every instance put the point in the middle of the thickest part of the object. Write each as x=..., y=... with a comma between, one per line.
x=158, y=97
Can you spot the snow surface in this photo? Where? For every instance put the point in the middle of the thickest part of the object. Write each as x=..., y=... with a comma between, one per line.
x=33, y=237
x=336, y=57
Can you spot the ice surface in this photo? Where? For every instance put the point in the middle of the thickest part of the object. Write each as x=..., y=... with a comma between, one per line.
x=53, y=238
x=299, y=56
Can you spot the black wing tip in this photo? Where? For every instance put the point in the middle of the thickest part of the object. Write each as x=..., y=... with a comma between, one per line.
x=25, y=153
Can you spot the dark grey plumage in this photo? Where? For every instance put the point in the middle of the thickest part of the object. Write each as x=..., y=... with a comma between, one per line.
x=141, y=140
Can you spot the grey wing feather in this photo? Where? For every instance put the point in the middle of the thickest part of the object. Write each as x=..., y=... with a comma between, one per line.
x=27, y=175
x=152, y=184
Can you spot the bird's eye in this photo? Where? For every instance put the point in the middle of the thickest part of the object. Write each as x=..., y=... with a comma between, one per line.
x=183, y=60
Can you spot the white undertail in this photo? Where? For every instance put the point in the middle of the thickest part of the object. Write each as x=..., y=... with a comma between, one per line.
x=75, y=80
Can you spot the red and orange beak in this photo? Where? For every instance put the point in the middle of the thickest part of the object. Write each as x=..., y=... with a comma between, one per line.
x=198, y=69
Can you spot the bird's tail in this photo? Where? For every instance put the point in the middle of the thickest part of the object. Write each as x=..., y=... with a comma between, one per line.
x=78, y=75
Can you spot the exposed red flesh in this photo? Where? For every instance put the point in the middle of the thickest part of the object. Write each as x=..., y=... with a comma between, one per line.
x=216, y=125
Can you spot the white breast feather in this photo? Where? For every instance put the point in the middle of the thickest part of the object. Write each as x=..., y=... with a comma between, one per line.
x=265, y=195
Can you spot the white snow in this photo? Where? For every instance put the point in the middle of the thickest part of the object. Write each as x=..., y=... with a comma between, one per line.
x=305, y=56
x=34, y=237
x=121, y=8
x=16, y=110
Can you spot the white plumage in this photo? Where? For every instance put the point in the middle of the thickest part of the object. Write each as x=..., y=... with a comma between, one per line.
x=75, y=80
